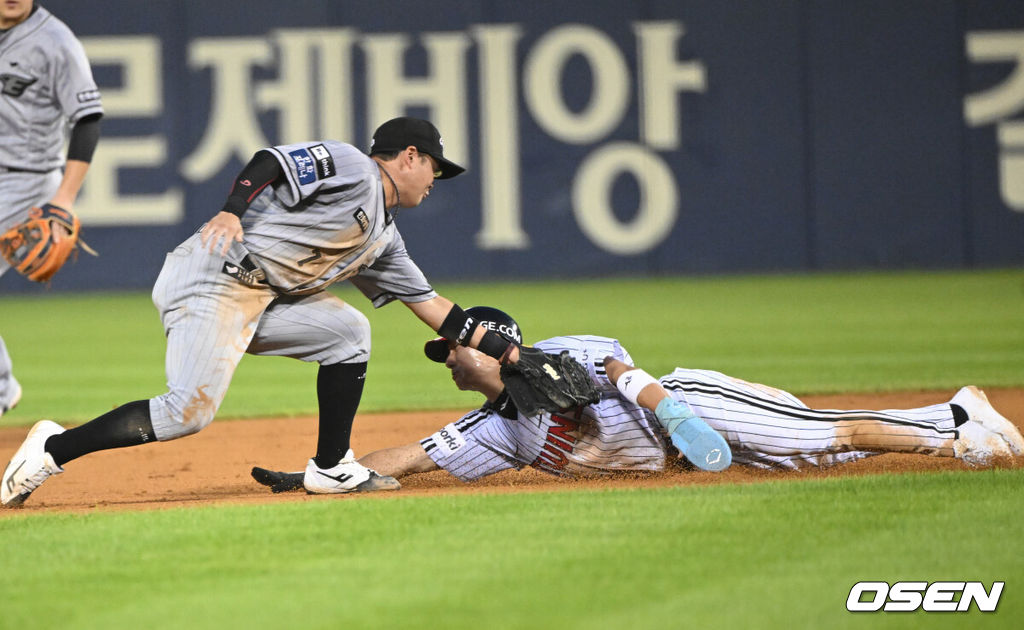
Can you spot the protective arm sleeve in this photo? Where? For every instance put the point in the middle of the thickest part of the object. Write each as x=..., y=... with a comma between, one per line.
x=85, y=135
x=261, y=171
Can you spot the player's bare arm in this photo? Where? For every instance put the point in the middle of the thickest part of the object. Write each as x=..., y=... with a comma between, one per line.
x=74, y=177
x=648, y=396
x=399, y=461
x=431, y=312
x=85, y=136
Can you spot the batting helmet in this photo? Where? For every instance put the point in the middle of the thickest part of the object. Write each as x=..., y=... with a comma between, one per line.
x=486, y=316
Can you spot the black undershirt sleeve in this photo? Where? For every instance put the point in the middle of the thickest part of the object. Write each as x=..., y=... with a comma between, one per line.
x=85, y=135
x=261, y=171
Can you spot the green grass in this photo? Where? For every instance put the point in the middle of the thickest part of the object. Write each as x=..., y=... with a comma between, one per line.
x=808, y=334
x=774, y=555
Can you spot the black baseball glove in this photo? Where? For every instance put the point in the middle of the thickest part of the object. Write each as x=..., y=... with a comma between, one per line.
x=542, y=381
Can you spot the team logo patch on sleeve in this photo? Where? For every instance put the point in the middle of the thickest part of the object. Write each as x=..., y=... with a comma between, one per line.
x=88, y=96
x=324, y=161
x=303, y=166
x=449, y=440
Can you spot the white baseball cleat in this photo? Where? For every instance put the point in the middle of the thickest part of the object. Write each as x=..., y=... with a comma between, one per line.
x=30, y=466
x=978, y=446
x=15, y=397
x=347, y=476
x=980, y=410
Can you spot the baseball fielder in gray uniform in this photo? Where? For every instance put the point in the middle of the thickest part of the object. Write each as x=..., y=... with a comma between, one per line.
x=299, y=218
x=632, y=427
x=47, y=86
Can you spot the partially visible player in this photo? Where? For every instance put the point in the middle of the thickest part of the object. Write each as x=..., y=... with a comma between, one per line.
x=47, y=86
x=299, y=218
x=631, y=428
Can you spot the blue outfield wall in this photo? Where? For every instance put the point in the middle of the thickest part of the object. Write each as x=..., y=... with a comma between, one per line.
x=602, y=137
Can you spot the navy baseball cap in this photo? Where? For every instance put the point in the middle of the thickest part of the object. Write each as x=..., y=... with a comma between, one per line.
x=399, y=133
x=486, y=316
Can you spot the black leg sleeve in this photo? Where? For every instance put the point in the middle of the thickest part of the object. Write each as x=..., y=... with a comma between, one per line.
x=128, y=425
x=339, y=388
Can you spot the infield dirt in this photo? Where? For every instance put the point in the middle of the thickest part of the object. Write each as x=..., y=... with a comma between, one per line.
x=213, y=466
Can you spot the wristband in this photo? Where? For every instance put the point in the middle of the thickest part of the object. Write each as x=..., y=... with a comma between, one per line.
x=494, y=345
x=457, y=326
x=631, y=383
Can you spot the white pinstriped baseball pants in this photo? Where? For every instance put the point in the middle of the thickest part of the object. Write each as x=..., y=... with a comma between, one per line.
x=768, y=427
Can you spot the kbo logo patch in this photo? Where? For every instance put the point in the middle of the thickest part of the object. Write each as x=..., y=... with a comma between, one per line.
x=934, y=597
x=304, y=166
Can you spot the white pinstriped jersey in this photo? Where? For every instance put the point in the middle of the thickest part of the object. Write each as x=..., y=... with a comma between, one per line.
x=46, y=84
x=610, y=435
x=764, y=426
x=324, y=222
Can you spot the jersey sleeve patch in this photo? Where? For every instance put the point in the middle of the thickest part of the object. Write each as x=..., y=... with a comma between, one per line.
x=448, y=440
x=88, y=96
x=303, y=166
x=324, y=162
x=313, y=163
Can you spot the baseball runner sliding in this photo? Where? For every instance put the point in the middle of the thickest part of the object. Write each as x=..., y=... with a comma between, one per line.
x=639, y=422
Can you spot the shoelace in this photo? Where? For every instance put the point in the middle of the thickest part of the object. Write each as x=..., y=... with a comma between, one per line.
x=34, y=481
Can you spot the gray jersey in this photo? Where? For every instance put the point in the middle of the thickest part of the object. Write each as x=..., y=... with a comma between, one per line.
x=344, y=228
x=324, y=221
x=610, y=435
x=47, y=85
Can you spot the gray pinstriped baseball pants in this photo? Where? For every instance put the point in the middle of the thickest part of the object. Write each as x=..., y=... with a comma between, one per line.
x=211, y=320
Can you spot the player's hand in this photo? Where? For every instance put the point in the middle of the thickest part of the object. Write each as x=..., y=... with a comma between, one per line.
x=223, y=225
x=58, y=230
